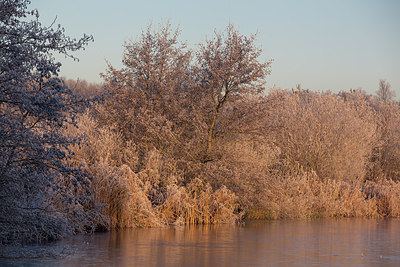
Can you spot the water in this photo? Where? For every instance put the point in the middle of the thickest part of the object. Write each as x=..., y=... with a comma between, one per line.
x=270, y=243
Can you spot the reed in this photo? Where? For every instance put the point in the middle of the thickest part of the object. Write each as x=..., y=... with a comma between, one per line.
x=151, y=197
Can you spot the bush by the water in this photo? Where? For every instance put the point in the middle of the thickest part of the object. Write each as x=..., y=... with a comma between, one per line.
x=181, y=136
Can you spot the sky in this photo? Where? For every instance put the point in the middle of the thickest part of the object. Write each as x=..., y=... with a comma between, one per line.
x=321, y=44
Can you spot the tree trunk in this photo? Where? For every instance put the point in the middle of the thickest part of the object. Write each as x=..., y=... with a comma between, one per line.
x=210, y=138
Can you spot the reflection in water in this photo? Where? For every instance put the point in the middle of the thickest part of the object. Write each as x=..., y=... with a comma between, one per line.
x=327, y=242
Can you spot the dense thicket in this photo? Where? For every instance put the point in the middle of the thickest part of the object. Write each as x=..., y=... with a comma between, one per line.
x=181, y=136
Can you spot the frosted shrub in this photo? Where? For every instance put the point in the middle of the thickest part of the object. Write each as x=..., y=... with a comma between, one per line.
x=321, y=132
x=34, y=104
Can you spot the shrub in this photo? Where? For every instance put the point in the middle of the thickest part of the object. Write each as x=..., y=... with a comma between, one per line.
x=321, y=132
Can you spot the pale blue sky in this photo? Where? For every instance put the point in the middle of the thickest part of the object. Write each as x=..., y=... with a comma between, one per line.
x=335, y=44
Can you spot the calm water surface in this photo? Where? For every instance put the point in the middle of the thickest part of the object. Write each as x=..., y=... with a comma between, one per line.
x=283, y=243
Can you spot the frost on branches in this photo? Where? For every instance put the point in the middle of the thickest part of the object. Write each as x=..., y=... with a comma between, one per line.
x=35, y=106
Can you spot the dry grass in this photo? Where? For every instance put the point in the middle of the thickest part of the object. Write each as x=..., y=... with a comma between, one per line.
x=136, y=200
x=151, y=197
x=199, y=204
x=308, y=197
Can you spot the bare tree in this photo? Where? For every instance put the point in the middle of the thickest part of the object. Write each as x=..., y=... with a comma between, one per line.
x=229, y=67
x=384, y=92
x=83, y=88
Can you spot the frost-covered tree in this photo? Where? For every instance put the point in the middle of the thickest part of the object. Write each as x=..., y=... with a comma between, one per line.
x=384, y=92
x=229, y=67
x=35, y=106
x=166, y=98
x=150, y=95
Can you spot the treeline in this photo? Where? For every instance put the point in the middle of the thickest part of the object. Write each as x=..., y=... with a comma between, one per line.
x=181, y=136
